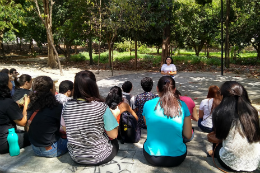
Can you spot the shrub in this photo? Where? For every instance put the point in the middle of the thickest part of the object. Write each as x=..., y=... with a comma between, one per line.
x=213, y=61
x=143, y=49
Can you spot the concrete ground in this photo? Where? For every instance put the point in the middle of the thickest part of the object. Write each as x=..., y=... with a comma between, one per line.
x=130, y=157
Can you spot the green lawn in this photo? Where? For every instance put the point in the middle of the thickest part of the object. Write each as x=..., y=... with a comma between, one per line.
x=182, y=57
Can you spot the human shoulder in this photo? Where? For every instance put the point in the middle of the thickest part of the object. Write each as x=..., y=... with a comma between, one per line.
x=152, y=101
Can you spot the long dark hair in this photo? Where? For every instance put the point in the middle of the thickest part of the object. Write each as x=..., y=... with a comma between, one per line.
x=214, y=92
x=4, y=90
x=168, y=101
x=41, y=96
x=114, y=97
x=85, y=87
x=236, y=108
x=20, y=81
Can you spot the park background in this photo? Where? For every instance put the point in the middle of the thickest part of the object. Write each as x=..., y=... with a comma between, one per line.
x=132, y=34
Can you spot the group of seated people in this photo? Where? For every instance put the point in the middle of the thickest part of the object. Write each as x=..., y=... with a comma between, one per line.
x=80, y=121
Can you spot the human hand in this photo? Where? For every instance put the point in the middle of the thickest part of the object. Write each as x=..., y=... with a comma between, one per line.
x=26, y=99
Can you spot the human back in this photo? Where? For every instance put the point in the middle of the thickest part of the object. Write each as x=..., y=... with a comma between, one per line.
x=167, y=119
x=236, y=122
x=44, y=113
x=89, y=123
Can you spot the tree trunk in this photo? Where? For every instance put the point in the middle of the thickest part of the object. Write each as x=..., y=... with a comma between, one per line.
x=31, y=46
x=227, y=60
x=207, y=51
x=76, y=49
x=112, y=67
x=130, y=46
x=20, y=45
x=67, y=52
x=158, y=49
x=48, y=21
x=109, y=53
x=90, y=51
x=165, y=43
x=1, y=42
x=135, y=54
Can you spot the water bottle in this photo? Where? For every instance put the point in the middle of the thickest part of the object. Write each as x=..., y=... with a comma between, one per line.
x=12, y=138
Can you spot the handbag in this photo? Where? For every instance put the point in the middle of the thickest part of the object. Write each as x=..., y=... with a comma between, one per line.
x=212, y=138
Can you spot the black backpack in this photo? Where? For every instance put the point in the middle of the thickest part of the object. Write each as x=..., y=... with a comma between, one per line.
x=128, y=131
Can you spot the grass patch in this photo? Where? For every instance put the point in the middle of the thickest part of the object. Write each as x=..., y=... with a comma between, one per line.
x=190, y=58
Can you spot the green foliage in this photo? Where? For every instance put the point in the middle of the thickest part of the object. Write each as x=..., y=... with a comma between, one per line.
x=143, y=49
x=122, y=46
x=213, y=61
x=9, y=37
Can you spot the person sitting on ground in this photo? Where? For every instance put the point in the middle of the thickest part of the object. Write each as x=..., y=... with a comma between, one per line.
x=5, y=70
x=236, y=123
x=89, y=123
x=168, y=120
x=192, y=108
x=116, y=103
x=117, y=106
x=11, y=115
x=23, y=85
x=65, y=92
x=13, y=73
x=206, y=108
x=147, y=85
x=127, y=88
x=44, y=129
x=191, y=105
x=168, y=68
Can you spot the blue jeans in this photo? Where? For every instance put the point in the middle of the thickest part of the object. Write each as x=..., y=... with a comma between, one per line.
x=55, y=150
x=203, y=128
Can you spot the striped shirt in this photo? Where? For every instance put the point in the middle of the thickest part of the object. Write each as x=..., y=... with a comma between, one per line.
x=85, y=128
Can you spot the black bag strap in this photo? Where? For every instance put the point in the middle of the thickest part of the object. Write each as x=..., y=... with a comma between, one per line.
x=120, y=130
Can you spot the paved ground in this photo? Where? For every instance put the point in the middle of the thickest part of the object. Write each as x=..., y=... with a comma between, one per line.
x=130, y=157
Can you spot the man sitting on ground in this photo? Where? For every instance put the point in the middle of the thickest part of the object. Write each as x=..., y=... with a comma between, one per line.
x=65, y=92
x=127, y=88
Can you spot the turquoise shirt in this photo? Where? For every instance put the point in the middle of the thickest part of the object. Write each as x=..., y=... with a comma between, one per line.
x=164, y=135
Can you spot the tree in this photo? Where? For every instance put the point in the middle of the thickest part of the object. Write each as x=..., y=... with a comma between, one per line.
x=10, y=13
x=47, y=21
x=196, y=25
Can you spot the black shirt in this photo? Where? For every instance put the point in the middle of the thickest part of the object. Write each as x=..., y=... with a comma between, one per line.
x=45, y=127
x=9, y=111
x=19, y=93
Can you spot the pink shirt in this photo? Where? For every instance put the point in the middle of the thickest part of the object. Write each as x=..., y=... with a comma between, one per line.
x=189, y=102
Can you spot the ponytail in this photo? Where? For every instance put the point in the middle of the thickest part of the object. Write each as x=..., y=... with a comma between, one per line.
x=20, y=81
x=168, y=101
x=114, y=97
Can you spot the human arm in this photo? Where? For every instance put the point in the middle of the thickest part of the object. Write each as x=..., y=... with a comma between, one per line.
x=195, y=114
x=144, y=120
x=113, y=133
x=201, y=113
x=110, y=124
x=125, y=107
x=22, y=122
x=187, y=129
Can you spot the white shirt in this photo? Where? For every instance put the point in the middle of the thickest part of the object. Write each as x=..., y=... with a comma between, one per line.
x=205, y=106
x=237, y=153
x=168, y=68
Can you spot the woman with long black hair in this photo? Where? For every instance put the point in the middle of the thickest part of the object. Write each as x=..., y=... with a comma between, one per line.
x=44, y=129
x=236, y=122
x=89, y=123
x=11, y=115
x=168, y=120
